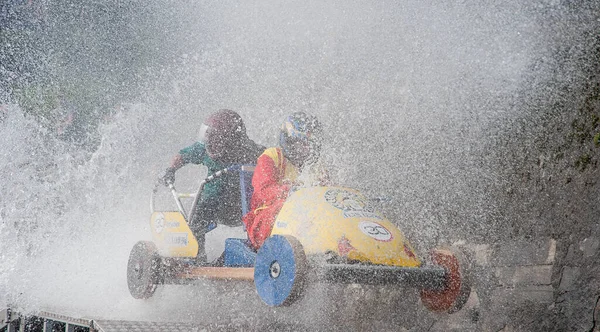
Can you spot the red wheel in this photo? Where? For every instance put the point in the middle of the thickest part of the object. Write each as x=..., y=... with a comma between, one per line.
x=458, y=286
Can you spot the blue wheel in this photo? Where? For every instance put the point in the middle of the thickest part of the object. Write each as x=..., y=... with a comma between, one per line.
x=280, y=270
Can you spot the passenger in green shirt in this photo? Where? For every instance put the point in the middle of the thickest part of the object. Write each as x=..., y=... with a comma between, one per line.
x=223, y=142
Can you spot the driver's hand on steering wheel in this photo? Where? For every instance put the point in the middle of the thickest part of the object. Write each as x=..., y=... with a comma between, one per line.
x=168, y=178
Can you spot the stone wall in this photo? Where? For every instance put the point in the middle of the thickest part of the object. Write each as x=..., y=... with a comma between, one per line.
x=531, y=285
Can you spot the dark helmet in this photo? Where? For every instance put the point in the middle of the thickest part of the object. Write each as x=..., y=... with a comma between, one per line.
x=300, y=138
x=223, y=132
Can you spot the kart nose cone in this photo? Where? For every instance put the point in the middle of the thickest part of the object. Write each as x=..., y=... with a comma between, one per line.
x=344, y=246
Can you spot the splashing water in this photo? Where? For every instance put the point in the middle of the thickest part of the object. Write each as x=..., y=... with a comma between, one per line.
x=71, y=216
x=407, y=91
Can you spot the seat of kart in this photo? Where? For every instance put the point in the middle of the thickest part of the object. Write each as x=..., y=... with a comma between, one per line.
x=238, y=252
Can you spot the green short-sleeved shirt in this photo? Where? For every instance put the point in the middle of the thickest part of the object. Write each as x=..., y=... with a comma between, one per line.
x=220, y=200
x=196, y=154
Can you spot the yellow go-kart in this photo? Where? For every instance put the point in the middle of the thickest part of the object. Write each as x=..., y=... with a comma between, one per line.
x=321, y=234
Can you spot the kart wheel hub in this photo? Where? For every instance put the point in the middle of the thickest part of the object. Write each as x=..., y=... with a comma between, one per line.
x=275, y=269
x=138, y=270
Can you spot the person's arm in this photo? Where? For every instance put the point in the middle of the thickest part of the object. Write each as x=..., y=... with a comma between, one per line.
x=177, y=162
x=192, y=154
x=169, y=177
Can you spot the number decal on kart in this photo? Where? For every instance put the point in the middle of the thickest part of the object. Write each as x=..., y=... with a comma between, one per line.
x=176, y=239
x=351, y=204
x=346, y=201
x=375, y=230
x=159, y=223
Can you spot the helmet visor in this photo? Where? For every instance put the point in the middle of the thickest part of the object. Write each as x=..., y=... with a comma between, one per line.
x=298, y=148
x=203, y=133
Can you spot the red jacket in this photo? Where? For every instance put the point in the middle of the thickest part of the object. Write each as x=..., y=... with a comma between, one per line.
x=272, y=180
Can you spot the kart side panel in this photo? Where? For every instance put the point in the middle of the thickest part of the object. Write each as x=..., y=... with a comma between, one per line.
x=172, y=235
x=343, y=221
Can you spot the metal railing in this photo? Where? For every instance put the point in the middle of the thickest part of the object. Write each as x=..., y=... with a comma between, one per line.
x=11, y=321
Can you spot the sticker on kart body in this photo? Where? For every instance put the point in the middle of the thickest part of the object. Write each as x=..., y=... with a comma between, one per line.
x=375, y=230
x=352, y=205
x=159, y=223
x=361, y=214
x=173, y=224
x=176, y=239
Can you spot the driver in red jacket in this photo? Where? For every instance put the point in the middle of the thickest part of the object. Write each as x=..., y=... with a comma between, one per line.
x=277, y=170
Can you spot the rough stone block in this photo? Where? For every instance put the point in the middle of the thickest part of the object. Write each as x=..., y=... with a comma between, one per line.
x=597, y=315
x=522, y=276
x=523, y=252
x=509, y=297
x=538, y=294
x=481, y=254
x=466, y=320
x=589, y=246
x=568, y=278
x=478, y=253
x=551, y=252
x=505, y=275
x=533, y=275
